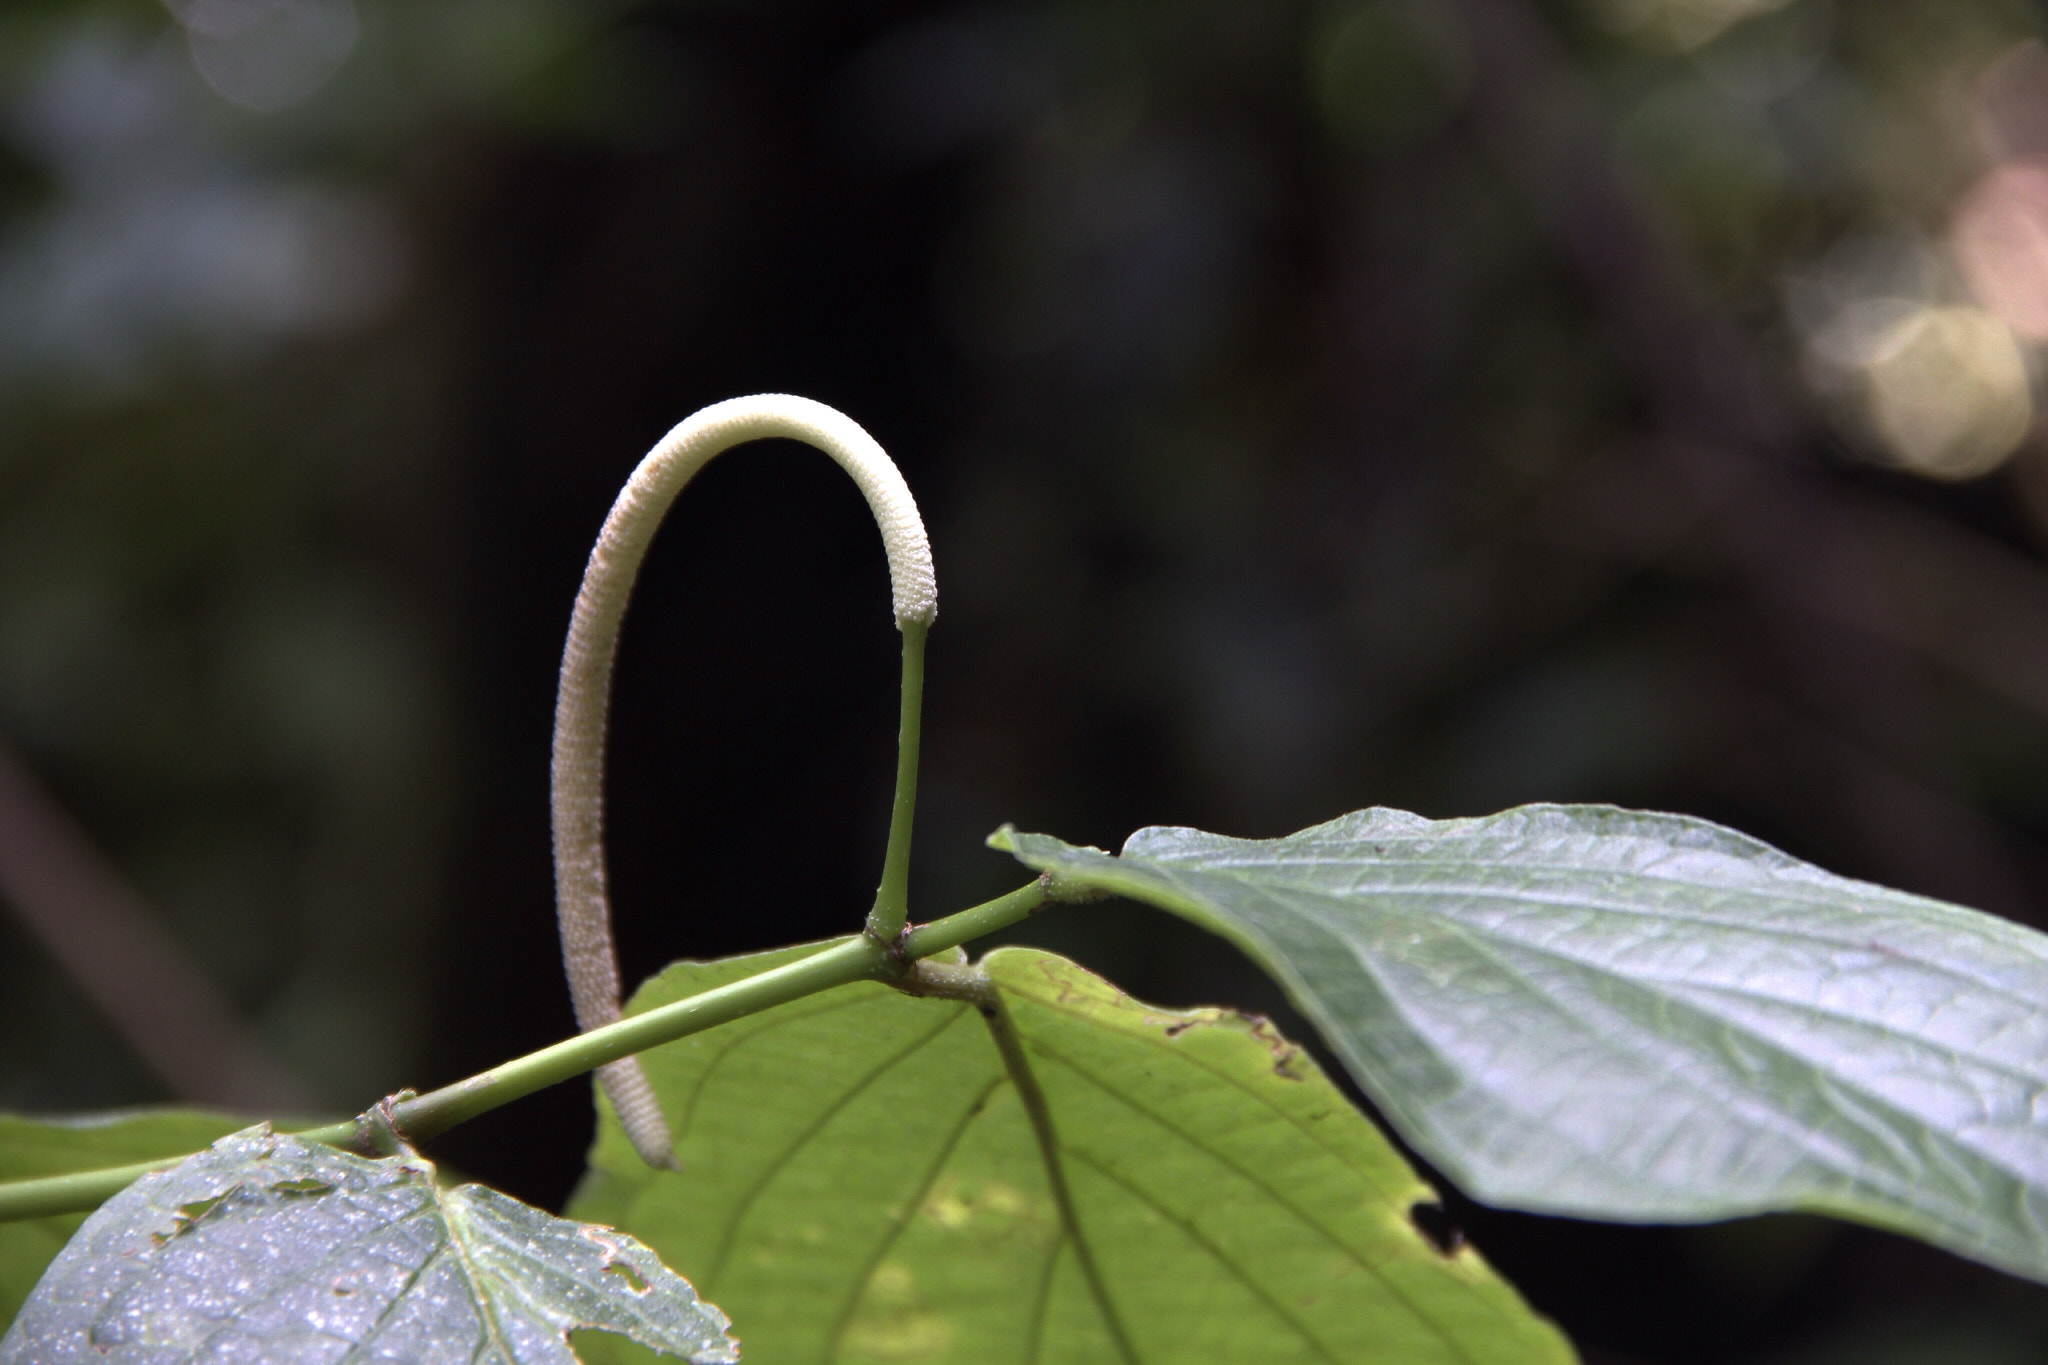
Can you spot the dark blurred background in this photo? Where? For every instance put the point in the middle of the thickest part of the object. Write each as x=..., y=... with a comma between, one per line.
x=1315, y=403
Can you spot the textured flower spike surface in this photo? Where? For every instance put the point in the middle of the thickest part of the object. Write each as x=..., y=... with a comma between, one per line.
x=578, y=771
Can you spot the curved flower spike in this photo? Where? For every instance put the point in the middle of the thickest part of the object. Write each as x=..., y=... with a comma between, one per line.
x=580, y=704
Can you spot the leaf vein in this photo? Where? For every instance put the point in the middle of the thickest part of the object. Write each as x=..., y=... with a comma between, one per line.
x=736, y=1035
x=910, y=1208
x=739, y=1212
x=1273, y=1193
x=1196, y=1235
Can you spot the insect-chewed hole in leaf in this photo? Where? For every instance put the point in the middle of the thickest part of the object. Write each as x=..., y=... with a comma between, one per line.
x=207, y=1249
x=1233, y=1212
x=633, y=1278
x=198, y=1209
x=1436, y=1227
x=186, y=1216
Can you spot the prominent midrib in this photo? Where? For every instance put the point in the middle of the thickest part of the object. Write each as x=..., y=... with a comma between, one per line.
x=1490, y=937
x=493, y=1330
x=427, y=1207
x=1767, y=1117
x=1335, y=908
x=1017, y=1066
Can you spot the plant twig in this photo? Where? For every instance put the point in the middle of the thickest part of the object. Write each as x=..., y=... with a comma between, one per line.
x=417, y=1118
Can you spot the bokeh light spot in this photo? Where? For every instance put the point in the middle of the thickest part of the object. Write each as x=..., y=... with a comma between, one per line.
x=1678, y=25
x=2001, y=242
x=267, y=54
x=1948, y=392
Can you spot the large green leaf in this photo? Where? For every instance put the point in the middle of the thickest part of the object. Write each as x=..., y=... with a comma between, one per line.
x=263, y=1247
x=32, y=1147
x=1591, y=1011
x=862, y=1182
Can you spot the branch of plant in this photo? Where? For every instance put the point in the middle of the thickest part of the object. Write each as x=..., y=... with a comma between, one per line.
x=419, y=1117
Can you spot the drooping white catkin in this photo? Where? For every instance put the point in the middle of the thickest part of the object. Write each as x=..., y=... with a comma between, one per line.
x=580, y=704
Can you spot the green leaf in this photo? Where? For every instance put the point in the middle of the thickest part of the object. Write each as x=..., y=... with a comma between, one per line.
x=31, y=1147
x=862, y=1181
x=1597, y=1012
x=267, y=1248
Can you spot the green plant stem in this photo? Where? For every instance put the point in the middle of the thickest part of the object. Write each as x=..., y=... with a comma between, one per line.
x=975, y=921
x=429, y=1115
x=74, y=1193
x=892, y=898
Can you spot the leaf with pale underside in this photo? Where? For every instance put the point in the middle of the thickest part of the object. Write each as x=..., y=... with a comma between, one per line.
x=862, y=1182
x=1640, y=1017
x=266, y=1248
x=32, y=1146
